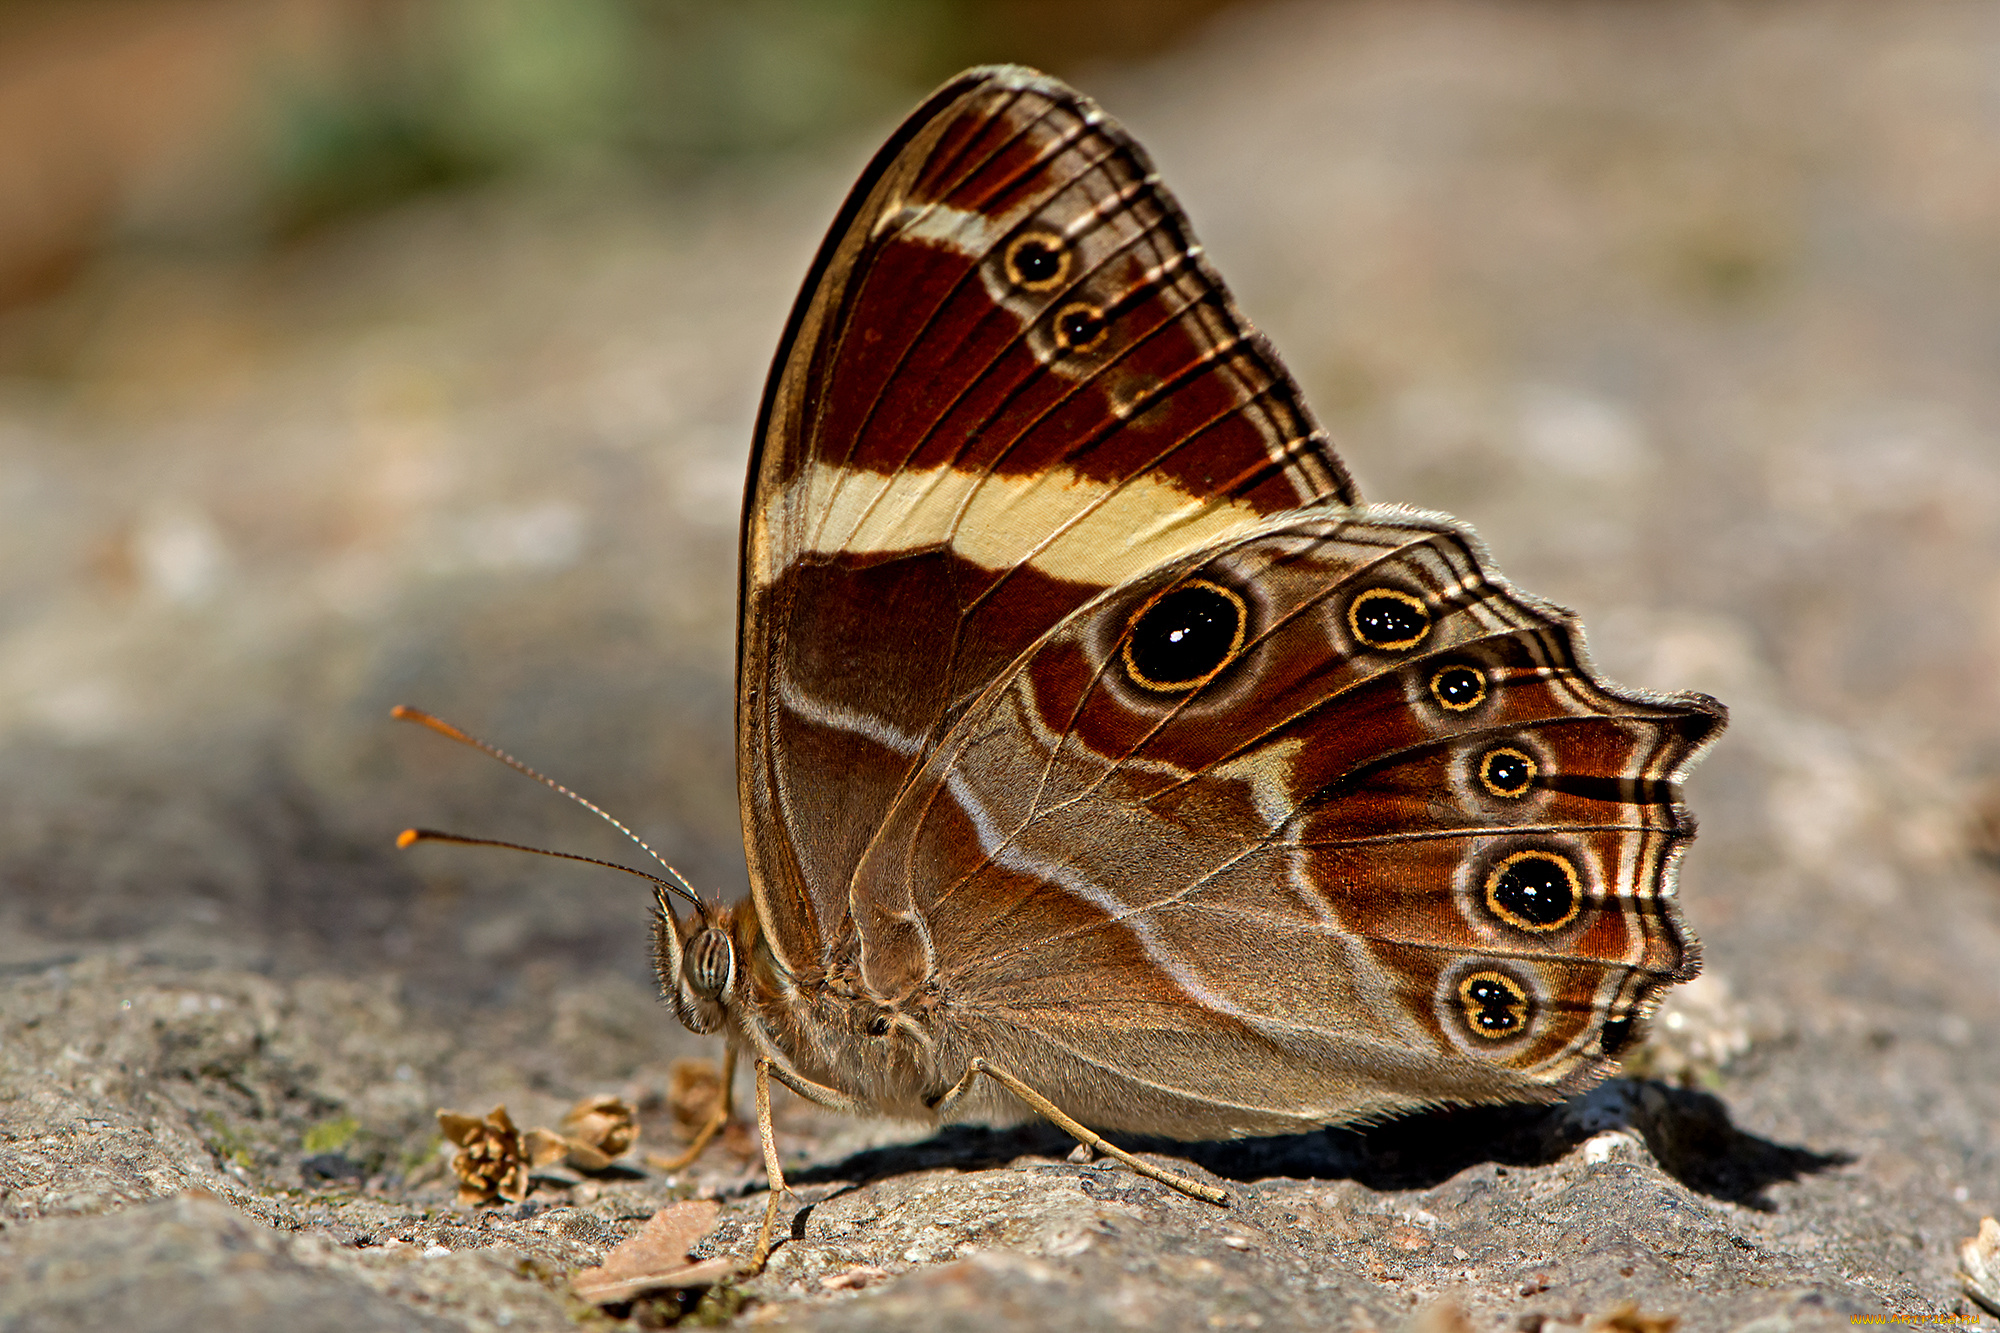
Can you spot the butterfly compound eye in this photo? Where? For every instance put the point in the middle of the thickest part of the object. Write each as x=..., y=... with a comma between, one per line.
x=1037, y=261
x=709, y=965
x=1185, y=636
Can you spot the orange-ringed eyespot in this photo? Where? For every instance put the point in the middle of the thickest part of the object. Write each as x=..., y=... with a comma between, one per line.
x=1389, y=619
x=1535, y=891
x=1037, y=261
x=1495, y=1005
x=1184, y=636
x=1458, y=688
x=1080, y=327
x=1507, y=772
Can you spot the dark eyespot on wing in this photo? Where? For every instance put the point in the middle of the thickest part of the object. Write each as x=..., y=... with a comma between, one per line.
x=1618, y=1034
x=1493, y=1005
x=1458, y=688
x=1185, y=636
x=1507, y=772
x=1389, y=619
x=1037, y=261
x=1080, y=327
x=1534, y=890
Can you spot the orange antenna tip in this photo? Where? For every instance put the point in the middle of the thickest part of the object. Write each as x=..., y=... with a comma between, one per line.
x=405, y=713
x=409, y=837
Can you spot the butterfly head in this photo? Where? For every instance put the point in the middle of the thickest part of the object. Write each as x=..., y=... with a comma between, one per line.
x=696, y=963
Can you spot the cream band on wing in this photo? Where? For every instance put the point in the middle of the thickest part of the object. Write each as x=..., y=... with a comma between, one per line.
x=1057, y=522
x=962, y=230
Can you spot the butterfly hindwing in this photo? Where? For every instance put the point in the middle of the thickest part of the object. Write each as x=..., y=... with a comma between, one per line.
x=1391, y=844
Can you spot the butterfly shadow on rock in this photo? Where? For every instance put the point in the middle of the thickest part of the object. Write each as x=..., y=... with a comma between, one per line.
x=1688, y=1132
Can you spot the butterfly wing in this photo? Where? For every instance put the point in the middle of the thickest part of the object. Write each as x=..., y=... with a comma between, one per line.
x=1319, y=823
x=1010, y=382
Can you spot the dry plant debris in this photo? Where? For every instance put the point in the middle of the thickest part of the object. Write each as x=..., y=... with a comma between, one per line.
x=594, y=1132
x=693, y=1089
x=608, y=1124
x=494, y=1157
x=1442, y=1316
x=490, y=1163
x=657, y=1257
x=1629, y=1318
x=854, y=1279
x=1979, y=1266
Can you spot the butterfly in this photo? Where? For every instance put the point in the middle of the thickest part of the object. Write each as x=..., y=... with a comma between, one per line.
x=1102, y=755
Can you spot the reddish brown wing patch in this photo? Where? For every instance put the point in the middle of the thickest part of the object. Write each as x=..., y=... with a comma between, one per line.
x=1010, y=382
x=943, y=351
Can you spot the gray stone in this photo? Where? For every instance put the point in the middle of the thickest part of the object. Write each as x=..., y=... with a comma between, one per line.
x=182, y=1264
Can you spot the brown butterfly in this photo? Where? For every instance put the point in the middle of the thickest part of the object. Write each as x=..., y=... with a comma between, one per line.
x=1101, y=753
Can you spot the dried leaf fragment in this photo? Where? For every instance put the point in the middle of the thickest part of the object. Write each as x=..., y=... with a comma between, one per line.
x=1979, y=1265
x=1629, y=1318
x=607, y=1124
x=595, y=1130
x=543, y=1147
x=694, y=1088
x=854, y=1279
x=490, y=1163
x=656, y=1257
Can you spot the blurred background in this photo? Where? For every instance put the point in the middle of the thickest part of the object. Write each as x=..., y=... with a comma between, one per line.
x=212, y=126
x=362, y=352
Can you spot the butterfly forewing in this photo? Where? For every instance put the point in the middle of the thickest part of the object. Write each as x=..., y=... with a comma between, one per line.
x=1010, y=383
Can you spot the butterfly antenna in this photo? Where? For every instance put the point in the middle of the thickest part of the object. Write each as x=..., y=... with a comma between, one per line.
x=408, y=837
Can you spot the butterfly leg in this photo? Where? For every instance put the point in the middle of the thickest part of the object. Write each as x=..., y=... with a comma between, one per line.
x=1049, y=1111
x=725, y=1111
x=772, y=1169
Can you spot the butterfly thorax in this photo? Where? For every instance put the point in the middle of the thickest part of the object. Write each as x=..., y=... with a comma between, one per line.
x=823, y=1025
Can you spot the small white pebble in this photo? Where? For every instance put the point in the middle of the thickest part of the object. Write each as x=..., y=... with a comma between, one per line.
x=433, y=1251
x=1603, y=1147
x=1237, y=1242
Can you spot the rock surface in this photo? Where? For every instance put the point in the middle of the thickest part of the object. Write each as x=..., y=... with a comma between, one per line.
x=1691, y=309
